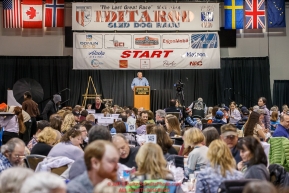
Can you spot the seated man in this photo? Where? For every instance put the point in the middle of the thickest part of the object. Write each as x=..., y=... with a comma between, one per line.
x=144, y=116
x=229, y=135
x=172, y=108
x=101, y=160
x=12, y=154
x=282, y=129
x=127, y=153
x=218, y=118
x=160, y=117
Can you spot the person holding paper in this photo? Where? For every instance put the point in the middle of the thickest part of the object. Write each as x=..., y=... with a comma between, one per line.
x=139, y=81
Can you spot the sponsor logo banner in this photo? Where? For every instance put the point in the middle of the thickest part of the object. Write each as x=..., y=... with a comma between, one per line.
x=121, y=51
x=139, y=17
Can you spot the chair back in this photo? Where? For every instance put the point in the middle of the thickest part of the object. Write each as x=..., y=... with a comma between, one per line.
x=234, y=186
x=177, y=147
x=216, y=125
x=33, y=160
x=59, y=170
x=177, y=114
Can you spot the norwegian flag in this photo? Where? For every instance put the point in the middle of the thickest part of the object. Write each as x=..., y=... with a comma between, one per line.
x=54, y=13
x=255, y=14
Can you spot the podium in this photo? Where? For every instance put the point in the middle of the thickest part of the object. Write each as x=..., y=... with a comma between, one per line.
x=141, y=97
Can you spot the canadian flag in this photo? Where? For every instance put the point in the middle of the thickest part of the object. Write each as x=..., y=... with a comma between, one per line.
x=32, y=13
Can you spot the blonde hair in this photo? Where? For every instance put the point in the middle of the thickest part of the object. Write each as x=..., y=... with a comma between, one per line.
x=68, y=122
x=193, y=136
x=90, y=117
x=47, y=135
x=219, y=154
x=150, y=160
x=174, y=124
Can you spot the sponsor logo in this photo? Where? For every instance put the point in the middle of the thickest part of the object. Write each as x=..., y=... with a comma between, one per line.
x=196, y=63
x=116, y=43
x=146, y=41
x=209, y=40
x=146, y=53
x=194, y=55
x=89, y=43
x=96, y=54
x=207, y=16
x=174, y=41
x=167, y=63
x=123, y=63
x=145, y=63
x=88, y=37
x=83, y=15
x=95, y=63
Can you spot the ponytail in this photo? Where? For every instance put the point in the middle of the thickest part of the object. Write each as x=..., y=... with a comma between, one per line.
x=18, y=112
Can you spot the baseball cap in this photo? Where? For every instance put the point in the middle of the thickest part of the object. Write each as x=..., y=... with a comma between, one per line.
x=244, y=111
x=75, y=113
x=219, y=114
x=3, y=106
x=228, y=130
x=188, y=110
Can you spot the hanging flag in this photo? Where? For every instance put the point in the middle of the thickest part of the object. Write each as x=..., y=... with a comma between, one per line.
x=254, y=14
x=233, y=14
x=54, y=13
x=276, y=13
x=12, y=17
x=32, y=13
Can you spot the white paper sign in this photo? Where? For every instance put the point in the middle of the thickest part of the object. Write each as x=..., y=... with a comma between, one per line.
x=90, y=111
x=107, y=120
x=151, y=138
x=131, y=128
x=97, y=115
x=115, y=116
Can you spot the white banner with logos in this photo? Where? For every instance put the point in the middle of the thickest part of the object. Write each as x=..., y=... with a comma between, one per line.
x=121, y=51
x=145, y=16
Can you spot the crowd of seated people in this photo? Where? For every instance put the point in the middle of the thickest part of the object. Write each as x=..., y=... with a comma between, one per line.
x=230, y=144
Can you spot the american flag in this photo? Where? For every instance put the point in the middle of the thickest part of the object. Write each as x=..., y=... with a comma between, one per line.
x=255, y=14
x=12, y=15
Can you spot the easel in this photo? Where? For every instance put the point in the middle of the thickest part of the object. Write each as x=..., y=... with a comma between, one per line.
x=89, y=96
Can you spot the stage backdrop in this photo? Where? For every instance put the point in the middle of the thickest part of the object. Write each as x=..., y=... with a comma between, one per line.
x=146, y=51
x=145, y=16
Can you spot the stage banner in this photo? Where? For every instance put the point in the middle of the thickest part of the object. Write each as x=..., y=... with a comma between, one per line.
x=145, y=16
x=123, y=51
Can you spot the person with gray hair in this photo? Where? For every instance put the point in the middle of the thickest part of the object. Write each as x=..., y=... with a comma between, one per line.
x=51, y=107
x=199, y=108
x=12, y=154
x=43, y=182
x=160, y=117
x=12, y=179
x=259, y=187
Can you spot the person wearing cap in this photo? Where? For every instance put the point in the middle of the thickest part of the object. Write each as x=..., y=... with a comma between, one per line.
x=262, y=105
x=76, y=114
x=282, y=129
x=199, y=108
x=218, y=118
x=229, y=135
x=244, y=114
x=51, y=107
x=189, y=119
x=3, y=107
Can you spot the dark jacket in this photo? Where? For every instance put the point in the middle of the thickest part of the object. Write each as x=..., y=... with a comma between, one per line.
x=102, y=106
x=49, y=109
x=236, y=154
x=281, y=176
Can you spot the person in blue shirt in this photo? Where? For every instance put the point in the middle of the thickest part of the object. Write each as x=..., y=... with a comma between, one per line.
x=139, y=81
x=282, y=129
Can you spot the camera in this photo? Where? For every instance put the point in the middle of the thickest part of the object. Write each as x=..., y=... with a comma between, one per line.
x=179, y=86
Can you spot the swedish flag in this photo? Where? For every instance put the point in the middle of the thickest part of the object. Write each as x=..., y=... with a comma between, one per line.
x=233, y=14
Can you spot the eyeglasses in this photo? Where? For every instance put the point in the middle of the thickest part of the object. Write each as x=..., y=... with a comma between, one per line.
x=19, y=156
x=84, y=131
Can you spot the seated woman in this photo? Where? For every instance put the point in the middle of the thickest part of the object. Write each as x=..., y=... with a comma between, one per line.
x=118, y=127
x=163, y=140
x=67, y=123
x=254, y=160
x=274, y=120
x=172, y=125
x=222, y=167
x=198, y=157
x=46, y=139
x=253, y=128
x=69, y=145
x=210, y=134
x=152, y=172
x=140, y=126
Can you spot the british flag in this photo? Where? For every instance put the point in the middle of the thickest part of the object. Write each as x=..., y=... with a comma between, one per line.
x=255, y=14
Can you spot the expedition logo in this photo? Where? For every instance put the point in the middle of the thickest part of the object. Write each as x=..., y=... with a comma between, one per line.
x=208, y=40
x=146, y=41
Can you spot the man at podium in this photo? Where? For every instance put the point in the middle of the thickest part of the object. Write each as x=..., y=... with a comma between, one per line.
x=139, y=81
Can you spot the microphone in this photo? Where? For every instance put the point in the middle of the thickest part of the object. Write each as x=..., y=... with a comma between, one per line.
x=187, y=78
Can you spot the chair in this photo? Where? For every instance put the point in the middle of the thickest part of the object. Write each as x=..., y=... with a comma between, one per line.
x=234, y=186
x=177, y=147
x=177, y=114
x=59, y=170
x=33, y=160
